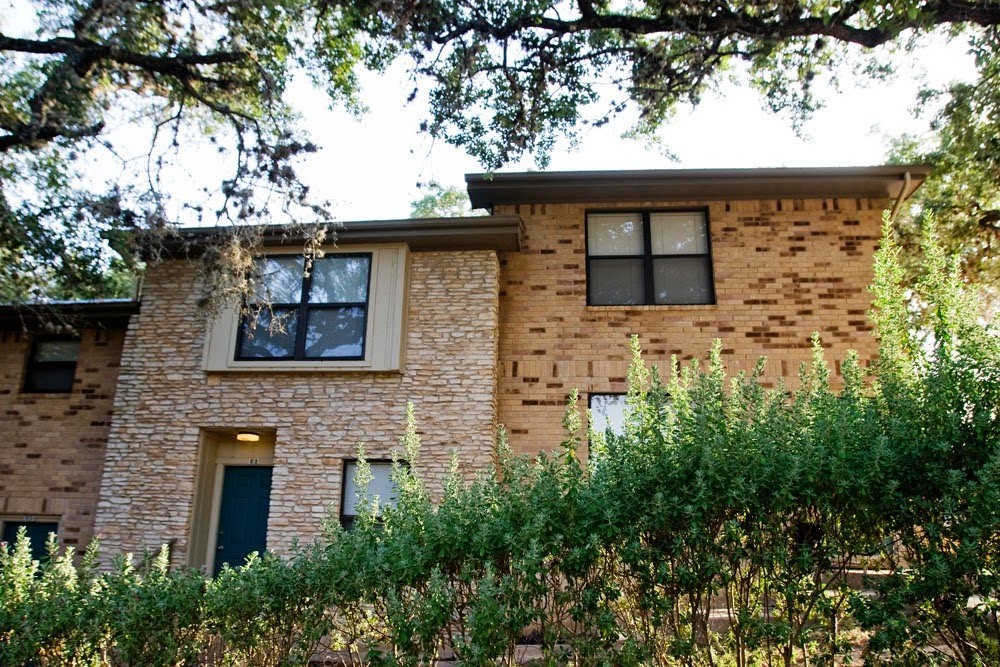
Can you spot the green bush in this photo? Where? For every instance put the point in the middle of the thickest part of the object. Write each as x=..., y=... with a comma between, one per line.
x=726, y=526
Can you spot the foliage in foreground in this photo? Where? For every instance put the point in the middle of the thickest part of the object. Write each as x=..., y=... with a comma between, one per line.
x=724, y=527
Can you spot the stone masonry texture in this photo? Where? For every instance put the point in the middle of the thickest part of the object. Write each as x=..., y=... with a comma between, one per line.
x=490, y=339
x=165, y=400
x=783, y=269
x=52, y=445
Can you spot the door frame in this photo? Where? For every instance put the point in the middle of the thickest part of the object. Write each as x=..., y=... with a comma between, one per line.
x=219, y=448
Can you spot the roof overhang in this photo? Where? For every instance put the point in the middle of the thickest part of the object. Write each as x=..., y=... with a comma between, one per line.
x=489, y=190
x=496, y=232
x=102, y=313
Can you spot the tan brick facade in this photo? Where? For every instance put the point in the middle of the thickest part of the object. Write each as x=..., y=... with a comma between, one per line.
x=166, y=403
x=783, y=269
x=52, y=444
x=490, y=336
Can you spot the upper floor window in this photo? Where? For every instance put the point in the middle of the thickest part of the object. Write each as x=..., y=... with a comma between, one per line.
x=660, y=258
x=345, y=311
x=52, y=365
x=315, y=313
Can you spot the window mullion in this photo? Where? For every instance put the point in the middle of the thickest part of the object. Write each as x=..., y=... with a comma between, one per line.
x=302, y=315
x=647, y=259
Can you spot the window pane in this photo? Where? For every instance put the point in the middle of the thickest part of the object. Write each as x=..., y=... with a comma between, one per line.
x=616, y=281
x=57, y=350
x=340, y=279
x=279, y=279
x=52, y=377
x=608, y=412
x=678, y=233
x=381, y=486
x=267, y=337
x=682, y=280
x=614, y=234
x=335, y=332
x=36, y=531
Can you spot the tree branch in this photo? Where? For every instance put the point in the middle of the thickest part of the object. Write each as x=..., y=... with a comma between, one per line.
x=739, y=24
x=32, y=136
x=91, y=51
x=80, y=55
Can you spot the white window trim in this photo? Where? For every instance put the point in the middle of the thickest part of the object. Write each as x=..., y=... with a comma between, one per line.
x=385, y=333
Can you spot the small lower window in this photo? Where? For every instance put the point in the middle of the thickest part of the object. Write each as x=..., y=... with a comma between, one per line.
x=607, y=412
x=381, y=487
x=36, y=531
x=52, y=365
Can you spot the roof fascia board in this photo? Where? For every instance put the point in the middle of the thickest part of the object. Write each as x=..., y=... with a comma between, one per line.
x=488, y=190
x=503, y=232
x=69, y=313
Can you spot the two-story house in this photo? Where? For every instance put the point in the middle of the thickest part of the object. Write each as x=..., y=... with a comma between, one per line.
x=230, y=435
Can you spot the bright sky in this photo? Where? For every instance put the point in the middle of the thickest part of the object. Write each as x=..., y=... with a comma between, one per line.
x=369, y=168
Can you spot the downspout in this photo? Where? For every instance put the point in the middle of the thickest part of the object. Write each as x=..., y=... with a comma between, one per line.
x=904, y=192
x=137, y=289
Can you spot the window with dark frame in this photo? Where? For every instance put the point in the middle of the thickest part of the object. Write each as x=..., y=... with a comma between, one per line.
x=648, y=258
x=315, y=314
x=381, y=486
x=37, y=533
x=51, y=365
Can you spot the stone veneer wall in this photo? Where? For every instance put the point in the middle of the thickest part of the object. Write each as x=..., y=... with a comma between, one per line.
x=165, y=399
x=783, y=270
x=52, y=445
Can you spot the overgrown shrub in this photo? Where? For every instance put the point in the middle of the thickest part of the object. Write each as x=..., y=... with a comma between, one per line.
x=727, y=525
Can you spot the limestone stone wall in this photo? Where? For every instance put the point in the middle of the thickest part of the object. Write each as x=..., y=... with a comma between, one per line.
x=783, y=269
x=52, y=445
x=165, y=401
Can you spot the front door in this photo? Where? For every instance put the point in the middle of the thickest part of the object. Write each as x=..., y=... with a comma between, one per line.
x=246, y=494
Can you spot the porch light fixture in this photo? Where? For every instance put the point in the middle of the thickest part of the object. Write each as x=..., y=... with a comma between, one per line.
x=248, y=436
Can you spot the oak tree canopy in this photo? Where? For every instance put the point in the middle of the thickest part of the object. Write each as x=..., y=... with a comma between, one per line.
x=505, y=78
x=963, y=190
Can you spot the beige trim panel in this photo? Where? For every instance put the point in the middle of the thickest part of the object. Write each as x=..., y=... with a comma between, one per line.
x=384, y=337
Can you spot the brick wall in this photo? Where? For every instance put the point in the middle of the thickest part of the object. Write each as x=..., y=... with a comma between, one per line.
x=165, y=401
x=783, y=270
x=52, y=445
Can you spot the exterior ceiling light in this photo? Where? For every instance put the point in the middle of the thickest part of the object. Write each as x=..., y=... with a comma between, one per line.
x=248, y=436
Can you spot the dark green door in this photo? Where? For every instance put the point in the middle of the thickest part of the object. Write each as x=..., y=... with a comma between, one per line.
x=246, y=494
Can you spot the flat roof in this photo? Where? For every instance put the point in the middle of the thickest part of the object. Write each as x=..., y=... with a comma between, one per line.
x=90, y=313
x=478, y=232
x=488, y=190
